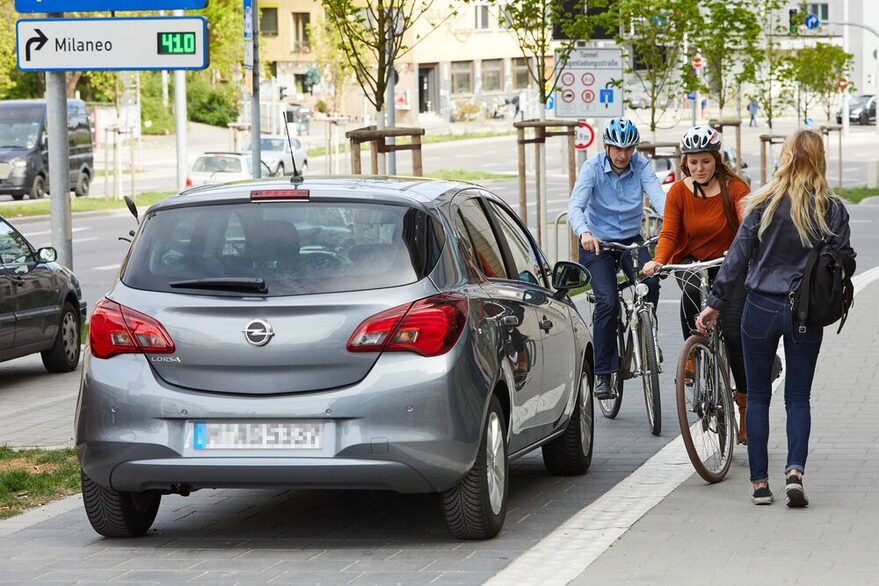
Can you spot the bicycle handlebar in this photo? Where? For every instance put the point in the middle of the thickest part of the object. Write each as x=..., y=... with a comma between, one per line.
x=695, y=266
x=629, y=247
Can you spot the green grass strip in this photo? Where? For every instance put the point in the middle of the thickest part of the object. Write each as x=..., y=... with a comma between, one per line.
x=41, y=207
x=30, y=478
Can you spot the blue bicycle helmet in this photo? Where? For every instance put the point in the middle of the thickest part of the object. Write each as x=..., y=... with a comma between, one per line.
x=620, y=132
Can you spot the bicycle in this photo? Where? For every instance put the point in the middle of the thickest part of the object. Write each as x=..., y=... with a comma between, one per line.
x=637, y=340
x=703, y=392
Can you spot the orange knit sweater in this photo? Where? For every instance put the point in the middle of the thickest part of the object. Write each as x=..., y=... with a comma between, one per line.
x=695, y=226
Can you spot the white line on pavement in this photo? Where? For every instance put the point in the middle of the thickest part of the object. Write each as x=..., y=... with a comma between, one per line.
x=106, y=267
x=46, y=232
x=565, y=553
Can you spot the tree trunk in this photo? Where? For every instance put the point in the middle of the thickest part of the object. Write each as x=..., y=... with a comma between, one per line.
x=73, y=78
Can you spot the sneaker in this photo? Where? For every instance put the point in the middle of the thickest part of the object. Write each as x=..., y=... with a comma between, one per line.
x=794, y=493
x=762, y=496
x=776, y=367
x=604, y=387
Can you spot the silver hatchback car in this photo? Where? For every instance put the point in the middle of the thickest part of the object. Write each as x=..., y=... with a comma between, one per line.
x=400, y=334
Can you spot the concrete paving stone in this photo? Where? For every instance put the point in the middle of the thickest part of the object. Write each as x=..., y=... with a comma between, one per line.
x=158, y=576
x=432, y=554
x=395, y=579
x=148, y=562
x=389, y=565
x=316, y=565
x=313, y=578
x=77, y=574
x=356, y=554
x=463, y=578
x=232, y=576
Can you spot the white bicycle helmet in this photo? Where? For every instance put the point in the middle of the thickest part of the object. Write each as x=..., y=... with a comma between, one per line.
x=700, y=139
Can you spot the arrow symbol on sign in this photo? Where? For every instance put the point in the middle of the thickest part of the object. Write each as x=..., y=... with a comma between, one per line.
x=40, y=40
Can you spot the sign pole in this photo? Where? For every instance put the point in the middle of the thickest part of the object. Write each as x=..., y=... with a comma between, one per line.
x=254, y=99
x=180, y=116
x=59, y=171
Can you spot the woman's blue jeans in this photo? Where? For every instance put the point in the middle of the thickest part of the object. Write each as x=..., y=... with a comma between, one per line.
x=766, y=319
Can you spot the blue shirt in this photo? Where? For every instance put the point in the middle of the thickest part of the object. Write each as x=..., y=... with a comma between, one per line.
x=610, y=206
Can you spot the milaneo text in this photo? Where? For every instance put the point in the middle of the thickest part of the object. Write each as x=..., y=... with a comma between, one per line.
x=70, y=44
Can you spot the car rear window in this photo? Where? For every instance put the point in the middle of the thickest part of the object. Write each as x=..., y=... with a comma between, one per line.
x=217, y=164
x=296, y=247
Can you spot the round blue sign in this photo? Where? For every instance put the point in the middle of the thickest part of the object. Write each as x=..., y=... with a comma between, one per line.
x=812, y=22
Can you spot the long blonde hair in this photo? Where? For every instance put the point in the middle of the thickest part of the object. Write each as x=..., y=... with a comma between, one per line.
x=802, y=177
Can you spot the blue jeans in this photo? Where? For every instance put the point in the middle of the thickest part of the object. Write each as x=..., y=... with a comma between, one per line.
x=766, y=319
x=603, y=272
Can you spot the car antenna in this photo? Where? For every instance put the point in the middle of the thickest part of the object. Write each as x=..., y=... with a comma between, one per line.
x=297, y=176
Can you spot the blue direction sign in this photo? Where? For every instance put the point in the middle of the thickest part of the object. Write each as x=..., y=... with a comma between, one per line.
x=106, y=5
x=812, y=22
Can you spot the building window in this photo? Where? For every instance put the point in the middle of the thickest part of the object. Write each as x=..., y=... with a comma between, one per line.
x=483, y=16
x=820, y=10
x=299, y=40
x=268, y=22
x=492, y=75
x=521, y=75
x=462, y=77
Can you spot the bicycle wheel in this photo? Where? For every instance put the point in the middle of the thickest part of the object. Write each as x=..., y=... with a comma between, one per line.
x=705, y=414
x=650, y=373
x=611, y=407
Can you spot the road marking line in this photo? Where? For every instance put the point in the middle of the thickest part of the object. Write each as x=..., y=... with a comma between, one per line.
x=106, y=267
x=30, y=235
x=565, y=553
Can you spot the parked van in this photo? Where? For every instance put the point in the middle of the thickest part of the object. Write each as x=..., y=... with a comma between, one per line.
x=24, y=155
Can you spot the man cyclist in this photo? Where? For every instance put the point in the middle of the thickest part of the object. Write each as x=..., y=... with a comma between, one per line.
x=607, y=205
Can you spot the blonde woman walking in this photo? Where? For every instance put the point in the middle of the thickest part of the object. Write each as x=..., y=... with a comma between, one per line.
x=782, y=223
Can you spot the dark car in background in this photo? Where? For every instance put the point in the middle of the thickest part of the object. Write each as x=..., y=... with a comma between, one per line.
x=861, y=110
x=24, y=155
x=356, y=333
x=41, y=304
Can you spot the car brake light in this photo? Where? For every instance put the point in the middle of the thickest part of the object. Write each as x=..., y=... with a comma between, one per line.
x=116, y=329
x=429, y=327
x=189, y=182
x=670, y=178
x=264, y=194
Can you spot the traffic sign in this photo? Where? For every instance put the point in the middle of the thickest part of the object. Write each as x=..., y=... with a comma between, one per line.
x=812, y=22
x=584, y=135
x=598, y=75
x=698, y=61
x=106, y=44
x=841, y=84
x=106, y=5
x=550, y=103
x=568, y=95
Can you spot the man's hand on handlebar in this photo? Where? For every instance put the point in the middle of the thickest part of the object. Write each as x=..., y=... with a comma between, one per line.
x=590, y=242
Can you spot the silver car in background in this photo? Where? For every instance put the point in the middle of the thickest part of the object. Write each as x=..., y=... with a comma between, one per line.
x=282, y=157
x=400, y=334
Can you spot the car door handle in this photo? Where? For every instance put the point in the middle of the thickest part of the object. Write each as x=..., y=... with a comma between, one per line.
x=545, y=325
x=510, y=321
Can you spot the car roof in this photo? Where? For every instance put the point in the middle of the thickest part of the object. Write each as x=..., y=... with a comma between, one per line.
x=415, y=190
x=223, y=153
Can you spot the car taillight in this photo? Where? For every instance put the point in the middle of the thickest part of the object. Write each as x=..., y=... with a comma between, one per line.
x=116, y=329
x=189, y=182
x=429, y=327
x=670, y=178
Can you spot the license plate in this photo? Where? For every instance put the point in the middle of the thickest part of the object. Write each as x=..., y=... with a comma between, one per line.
x=257, y=435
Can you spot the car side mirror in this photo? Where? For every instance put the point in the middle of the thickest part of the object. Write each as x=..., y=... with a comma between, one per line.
x=47, y=254
x=567, y=275
x=131, y=207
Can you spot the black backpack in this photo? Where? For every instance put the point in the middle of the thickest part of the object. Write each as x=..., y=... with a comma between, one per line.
x=826, y=292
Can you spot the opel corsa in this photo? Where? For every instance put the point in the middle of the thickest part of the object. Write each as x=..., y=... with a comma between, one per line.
x=396, y=334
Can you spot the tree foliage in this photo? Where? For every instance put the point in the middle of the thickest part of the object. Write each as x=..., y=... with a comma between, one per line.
x=773, y=87
x=728, y=39
x=657, y=32
x=372, y=36
x=531, y=22
x=326, y=46
x=815, y=71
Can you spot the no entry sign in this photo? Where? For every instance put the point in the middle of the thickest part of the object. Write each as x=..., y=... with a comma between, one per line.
x=584, y=136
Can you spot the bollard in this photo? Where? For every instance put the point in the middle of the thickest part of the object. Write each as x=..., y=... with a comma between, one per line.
x=873, y=174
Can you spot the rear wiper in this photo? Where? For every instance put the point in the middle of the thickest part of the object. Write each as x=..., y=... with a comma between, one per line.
x=246, y=284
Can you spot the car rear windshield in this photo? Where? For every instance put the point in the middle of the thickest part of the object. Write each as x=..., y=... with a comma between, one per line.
x=217, y=164
x=297, y=248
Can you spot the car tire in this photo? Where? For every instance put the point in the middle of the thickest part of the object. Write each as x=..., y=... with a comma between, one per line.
x=114, y=513
x=570, y=454
x=83, y=184
x=38, y=189
x=476, y=507
x=63, y=356
x=863, y=119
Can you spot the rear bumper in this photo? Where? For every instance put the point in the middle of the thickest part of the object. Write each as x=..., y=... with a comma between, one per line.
x=412, y=425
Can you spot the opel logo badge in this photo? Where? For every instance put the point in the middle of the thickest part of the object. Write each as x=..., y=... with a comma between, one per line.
x=258, y=332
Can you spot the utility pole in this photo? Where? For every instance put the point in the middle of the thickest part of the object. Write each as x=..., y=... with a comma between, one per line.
x=180, y=117
x=845, y=94
x=59, y=170
x=255, y=151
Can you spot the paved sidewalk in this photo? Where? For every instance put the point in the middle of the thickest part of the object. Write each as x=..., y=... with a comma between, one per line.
x=712, y=534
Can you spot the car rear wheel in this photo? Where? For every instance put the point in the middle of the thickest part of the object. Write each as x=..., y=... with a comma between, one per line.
x=63, y=356
x=863, y=119
x=114, y=513
x=83, y=184
x=477, y=506
x=570, y=454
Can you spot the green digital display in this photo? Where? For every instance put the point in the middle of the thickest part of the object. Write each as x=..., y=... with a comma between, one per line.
x=176, y=43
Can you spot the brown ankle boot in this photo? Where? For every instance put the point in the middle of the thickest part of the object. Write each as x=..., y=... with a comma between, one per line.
x=741, y=401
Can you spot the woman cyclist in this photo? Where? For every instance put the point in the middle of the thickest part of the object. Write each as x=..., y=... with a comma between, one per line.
x=702, y=214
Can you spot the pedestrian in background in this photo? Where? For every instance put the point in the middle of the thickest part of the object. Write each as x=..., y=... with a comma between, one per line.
x=782, y=223
x=752, y=110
